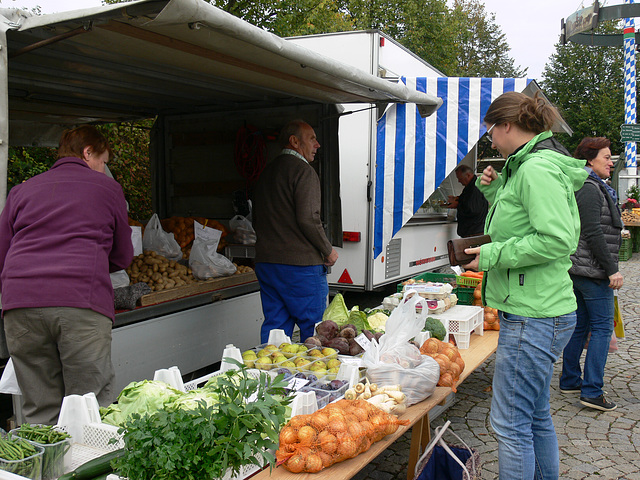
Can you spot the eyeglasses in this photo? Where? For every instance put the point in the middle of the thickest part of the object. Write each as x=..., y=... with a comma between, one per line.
x=489, y=132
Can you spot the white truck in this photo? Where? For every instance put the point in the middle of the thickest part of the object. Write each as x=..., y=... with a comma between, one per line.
x=205, y=75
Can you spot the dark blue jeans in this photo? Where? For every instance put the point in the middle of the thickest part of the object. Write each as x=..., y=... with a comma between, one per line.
x=595, y=315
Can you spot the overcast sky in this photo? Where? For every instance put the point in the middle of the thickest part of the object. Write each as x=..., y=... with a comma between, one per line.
x=532, y=27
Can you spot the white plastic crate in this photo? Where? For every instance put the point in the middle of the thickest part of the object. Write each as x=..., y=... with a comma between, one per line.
x=462, y=320
x=90, y=438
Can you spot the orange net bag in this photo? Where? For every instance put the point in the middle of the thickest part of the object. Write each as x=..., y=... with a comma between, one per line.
x=337, y=432
x=449, y=359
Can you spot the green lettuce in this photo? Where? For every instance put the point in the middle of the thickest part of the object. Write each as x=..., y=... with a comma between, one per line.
x=190, y=400
x=140, y=397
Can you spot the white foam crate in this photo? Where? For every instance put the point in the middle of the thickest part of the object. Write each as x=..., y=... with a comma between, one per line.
x=462, y=321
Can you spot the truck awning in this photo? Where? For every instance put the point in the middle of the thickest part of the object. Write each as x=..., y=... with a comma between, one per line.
x=136, y=60
x=414, y=155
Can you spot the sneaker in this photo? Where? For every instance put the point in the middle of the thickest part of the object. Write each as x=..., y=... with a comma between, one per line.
x=599, y=403
x=570, y=390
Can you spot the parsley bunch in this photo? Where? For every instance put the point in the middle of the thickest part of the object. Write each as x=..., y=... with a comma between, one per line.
x=206, y=441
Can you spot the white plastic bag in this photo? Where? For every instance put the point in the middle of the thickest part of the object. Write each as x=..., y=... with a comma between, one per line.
x=243, y=231
x=136, y=240
x=119, y=279
x=159, y=241
x=204, y=259
x=396, y=361
x=9, y=382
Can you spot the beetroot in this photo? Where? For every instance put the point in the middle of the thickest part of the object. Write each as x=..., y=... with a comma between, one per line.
x=341, y=344
x=328, y=329
x=313, y=342
x=348, y=333
x=368, y=334
x=354, y=348
x=378, y=335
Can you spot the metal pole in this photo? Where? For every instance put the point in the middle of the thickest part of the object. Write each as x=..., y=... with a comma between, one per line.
x=4, y=116
x=630, y=88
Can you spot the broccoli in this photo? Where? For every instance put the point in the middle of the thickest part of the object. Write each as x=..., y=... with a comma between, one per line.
x=435, y=328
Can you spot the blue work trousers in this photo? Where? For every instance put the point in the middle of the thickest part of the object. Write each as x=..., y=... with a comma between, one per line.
x=292, y=295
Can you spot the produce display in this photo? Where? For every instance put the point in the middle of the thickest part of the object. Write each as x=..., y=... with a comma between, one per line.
x=340, y=326
x=20, y=457
x=448, y=358
x=491, y=319
x=337, y=432
x=202, y=440
x=629, y=217
x=183, y=232
x=56, y=444
x=388, y=398
x=293, y=358
x=158, y=272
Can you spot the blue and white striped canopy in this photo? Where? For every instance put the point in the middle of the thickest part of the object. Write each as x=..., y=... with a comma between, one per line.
x=414, y=154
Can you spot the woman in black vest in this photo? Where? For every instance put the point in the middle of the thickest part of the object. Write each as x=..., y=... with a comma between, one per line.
x=595, y=276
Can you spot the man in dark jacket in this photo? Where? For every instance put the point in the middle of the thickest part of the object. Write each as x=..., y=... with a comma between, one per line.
x=292, y=249
x=471, y=204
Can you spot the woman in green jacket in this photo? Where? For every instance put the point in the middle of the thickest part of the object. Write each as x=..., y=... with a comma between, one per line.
x=534, y=225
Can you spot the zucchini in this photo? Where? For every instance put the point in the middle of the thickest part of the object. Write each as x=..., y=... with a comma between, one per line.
x=94, y=468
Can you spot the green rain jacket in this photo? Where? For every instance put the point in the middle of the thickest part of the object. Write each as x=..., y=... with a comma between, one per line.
x=534, y=226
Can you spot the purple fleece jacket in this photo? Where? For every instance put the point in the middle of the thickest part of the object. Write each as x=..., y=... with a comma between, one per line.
x=61, y=233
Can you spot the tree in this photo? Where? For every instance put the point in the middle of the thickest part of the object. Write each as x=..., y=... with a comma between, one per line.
x=481, y=46
x=587, y=84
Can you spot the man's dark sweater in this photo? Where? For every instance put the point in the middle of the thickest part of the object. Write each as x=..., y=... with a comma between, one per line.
x=286, y=214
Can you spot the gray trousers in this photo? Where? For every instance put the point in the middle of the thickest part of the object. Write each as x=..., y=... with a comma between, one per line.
x=59, y=351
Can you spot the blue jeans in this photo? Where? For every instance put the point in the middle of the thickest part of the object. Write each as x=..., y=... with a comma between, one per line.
x=520, y=412
x=291, y=295
x=595, y=315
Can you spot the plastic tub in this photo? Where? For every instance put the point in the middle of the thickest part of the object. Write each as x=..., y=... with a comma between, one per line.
x=56, y=457
x=30, y=467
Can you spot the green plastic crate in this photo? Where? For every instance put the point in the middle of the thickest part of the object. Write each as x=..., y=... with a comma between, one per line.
x=465, y=295
x=468, y=281
x=625, y=250
x=433, y=277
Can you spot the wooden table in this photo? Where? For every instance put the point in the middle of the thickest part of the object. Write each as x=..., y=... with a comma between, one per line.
x=480, y=348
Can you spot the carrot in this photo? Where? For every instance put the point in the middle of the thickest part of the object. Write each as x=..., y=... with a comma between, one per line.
x=472, y=274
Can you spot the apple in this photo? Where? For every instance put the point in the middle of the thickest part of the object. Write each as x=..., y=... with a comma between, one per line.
x=334, y=370
x=315, y=353
x=302, y=348
x=249, y=354
x=264, y=353
x=271, y=348
x=288, y=364
x=318, y=367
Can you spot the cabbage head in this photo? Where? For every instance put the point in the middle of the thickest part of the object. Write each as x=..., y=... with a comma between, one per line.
x=142, y=397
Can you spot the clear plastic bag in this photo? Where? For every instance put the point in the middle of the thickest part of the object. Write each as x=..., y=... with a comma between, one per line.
x=243, y=231
x=396, y=361
x=159, y=241
x=205, y=262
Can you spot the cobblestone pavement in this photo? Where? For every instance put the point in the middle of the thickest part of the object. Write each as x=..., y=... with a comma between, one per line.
x=593, y=444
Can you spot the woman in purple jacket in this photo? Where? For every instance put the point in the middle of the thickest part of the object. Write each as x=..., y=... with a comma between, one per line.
x=61, y=233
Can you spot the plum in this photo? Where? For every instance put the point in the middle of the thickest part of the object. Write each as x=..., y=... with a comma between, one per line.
x=300, y=375
x=328, y=329
x=348, y=333
x=341, y=344
x=337, y=384
x=313, y=342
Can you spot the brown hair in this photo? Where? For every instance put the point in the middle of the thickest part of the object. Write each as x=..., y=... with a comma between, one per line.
x=590, y=146
x=73, y=142
x=530, y=114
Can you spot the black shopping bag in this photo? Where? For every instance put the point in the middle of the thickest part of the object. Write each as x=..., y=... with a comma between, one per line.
x=447, y=462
